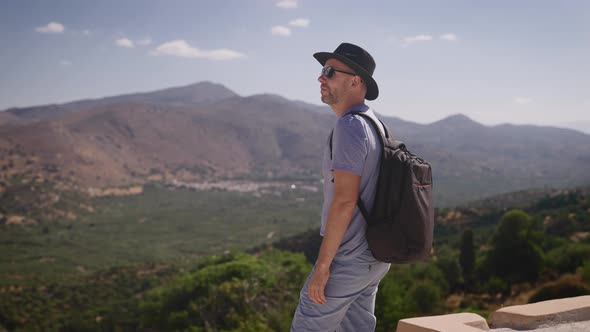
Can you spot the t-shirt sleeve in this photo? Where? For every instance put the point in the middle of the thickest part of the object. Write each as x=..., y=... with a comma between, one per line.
x=349, y=145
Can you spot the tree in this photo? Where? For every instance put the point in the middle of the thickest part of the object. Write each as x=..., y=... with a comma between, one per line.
x=447, y=262
x=467, y=256
x=514, y=255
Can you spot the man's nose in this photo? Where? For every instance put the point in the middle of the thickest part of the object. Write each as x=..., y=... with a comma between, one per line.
x=322, y=78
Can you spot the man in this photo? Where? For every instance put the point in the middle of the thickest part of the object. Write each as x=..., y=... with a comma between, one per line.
x=339, y=294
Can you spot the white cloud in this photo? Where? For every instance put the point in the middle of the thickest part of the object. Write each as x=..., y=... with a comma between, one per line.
x=449, y=37
x=144, y=42
x=181, y=48
x=280, y=30
x=287, y=4
x=65, y=63
x=300, y=22
x=52, y=27
x=124, y=42
x=523, y=100
x=418, y=38
x=415, y=39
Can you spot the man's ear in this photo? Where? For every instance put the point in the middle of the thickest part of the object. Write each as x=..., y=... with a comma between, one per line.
x=359, y=81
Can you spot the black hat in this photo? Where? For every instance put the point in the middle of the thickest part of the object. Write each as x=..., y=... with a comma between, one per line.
x=358, y=60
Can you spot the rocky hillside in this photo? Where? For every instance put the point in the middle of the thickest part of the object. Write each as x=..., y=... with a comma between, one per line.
x=205, y=132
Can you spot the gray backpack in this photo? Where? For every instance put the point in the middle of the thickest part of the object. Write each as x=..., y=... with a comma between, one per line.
x=400, y=225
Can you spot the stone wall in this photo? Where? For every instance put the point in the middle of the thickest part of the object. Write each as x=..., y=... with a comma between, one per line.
x=526, y=317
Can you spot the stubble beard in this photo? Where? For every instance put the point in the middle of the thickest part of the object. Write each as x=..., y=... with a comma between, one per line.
x=329, y=98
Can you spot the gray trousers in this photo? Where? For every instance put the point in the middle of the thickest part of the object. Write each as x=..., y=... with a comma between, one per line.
x=350, y=297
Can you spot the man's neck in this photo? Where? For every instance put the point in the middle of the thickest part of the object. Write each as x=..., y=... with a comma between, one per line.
x=340, y=110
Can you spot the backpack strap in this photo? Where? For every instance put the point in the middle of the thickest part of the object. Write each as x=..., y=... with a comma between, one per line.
x=372, y=121
x=383, y=137
x=331, y=134
x=397, y=144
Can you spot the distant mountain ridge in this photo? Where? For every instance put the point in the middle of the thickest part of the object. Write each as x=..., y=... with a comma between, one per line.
x=583, y=126
x=198, y=94
x=204, y=131
x=456, y=121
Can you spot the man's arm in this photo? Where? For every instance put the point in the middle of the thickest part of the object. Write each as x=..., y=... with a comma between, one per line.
x=346, y=191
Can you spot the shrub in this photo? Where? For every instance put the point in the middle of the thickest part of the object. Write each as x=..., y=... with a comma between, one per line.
x=448, y=264
x=426, y=297
x=408, y=291
x=567, y=286
x=585, y=271
x=392, y=304
x=229, y=293
x=563, y=226
x=422, y=272
x=496, y=285
x=568, y=258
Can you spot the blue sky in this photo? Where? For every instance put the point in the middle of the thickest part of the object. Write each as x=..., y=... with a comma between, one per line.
x=494, y=61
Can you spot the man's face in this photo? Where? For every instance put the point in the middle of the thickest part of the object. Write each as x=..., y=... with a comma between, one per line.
x=334, y=88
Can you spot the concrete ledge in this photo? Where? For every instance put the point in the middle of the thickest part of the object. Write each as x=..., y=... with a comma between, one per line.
x=531, y=316
x=462, y=322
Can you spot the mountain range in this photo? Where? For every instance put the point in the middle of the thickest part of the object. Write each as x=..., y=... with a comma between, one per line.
x=583, y=126
x=206, y=132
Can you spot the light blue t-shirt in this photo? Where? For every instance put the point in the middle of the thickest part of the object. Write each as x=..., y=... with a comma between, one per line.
x=356, y=148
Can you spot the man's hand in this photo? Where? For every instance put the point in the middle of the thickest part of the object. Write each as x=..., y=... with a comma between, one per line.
x=317, y=284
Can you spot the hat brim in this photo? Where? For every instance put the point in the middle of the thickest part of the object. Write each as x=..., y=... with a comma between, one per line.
x=372, y=88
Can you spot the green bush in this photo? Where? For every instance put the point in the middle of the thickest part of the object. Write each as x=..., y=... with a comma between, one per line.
x=392, y=304
x=426, y=297
x=567, y=286
x=237, y=292
x=496, y=285
x=562, y=226
x=430, y=272
x=568, y=258
x=448, y=263
x=585, y=271
x=409, y=291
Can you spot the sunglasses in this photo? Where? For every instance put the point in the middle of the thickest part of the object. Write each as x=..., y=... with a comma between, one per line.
x=329, y=71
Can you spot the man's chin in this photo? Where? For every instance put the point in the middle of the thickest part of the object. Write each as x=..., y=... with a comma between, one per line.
x=326, y=99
